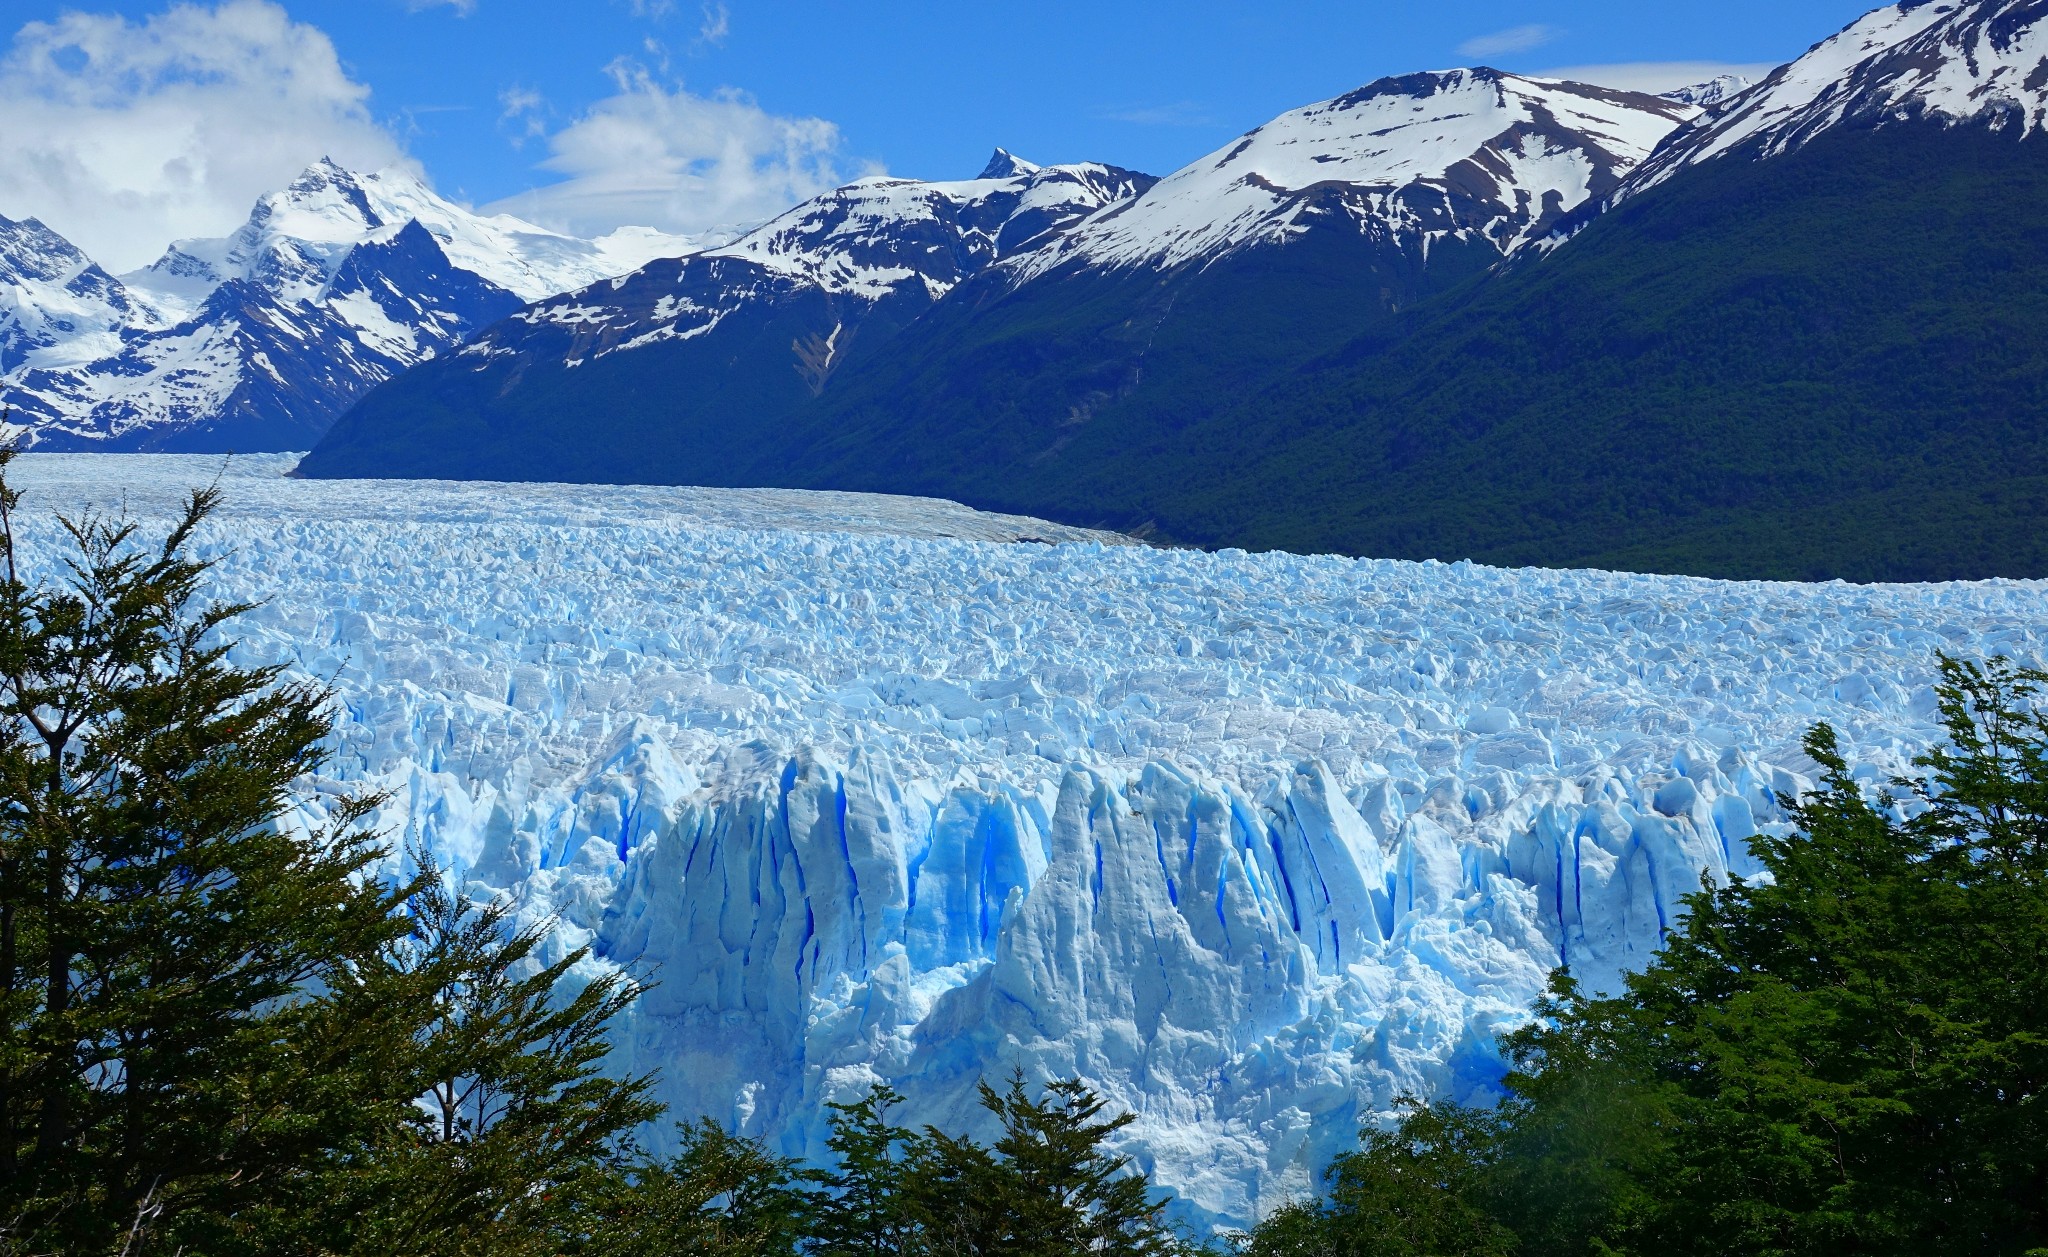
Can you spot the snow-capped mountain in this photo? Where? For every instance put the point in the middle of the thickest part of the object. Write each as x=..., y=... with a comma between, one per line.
x=718, y=343
x=876, y=241
x=1468, y=153
x=257, y=340
x=1714, y=91
x=57, y=307
x=295, y=238
x=1984, y=62
x=1371, y=200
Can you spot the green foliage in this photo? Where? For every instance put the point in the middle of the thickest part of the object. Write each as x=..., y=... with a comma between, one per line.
x=865, y=1206
x=222, y=1034
x=1419, y=1190
x=720, y=1196
x=505, y=1122
x=1046, y=1188
x=155, y=927
x=1847, y=1057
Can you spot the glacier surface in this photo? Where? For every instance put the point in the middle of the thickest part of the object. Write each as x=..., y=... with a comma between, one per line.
x=876, y=790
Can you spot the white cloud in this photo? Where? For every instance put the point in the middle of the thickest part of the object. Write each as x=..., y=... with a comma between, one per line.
x=1658, y=76
x=1512, y=40
x=523, y=112
x=463, y=8
x=1181, y=113
x=717, y=24
x=663, y=157
x=126, y=135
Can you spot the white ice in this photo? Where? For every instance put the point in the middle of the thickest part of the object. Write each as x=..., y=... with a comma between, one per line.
x=1255, y=843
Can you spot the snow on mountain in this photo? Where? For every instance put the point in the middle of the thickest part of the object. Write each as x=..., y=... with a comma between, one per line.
x=1462, y=152
x=1255, y=843
x=257, y=340
x=1712, y=92
x=296, y=237
x=876, y=234
x=268, y=356
x=1983, y=62
x=57, y=308
x=876, y=240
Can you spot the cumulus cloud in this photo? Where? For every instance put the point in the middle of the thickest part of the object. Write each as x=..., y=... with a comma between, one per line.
x=1658, y=76
x=1512, y=40
x=126, y=135
x=653, y=155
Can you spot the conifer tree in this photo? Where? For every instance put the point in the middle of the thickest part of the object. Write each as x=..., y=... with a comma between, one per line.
x=155, y=924
x=1846, y=1056
x=719, y=1196
x=865, y=1206
x=222, y=1034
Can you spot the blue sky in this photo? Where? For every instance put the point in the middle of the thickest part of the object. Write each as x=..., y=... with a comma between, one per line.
x=690, y=112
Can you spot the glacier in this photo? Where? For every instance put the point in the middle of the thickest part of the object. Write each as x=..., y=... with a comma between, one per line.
x=885, y=789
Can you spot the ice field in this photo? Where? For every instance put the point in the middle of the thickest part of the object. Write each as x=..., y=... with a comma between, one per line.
x=872, y=790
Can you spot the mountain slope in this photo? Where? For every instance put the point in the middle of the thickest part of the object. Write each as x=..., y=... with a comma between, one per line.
x=678, y=371
x=1816, y=357
x=1824, y=365
x=1426, y=157
x=1283, y=244
x=1223, y=277
x=257, y=340
x=1983, y=63
x=56, y=306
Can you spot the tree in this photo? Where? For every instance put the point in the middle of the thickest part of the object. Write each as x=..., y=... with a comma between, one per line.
x=1418, y=1190
x=222, y=1034
x=1848, y=1055
x=863, y=1207
x=1858, y=1045
x=156, y=926
x=720, y=1196
x=508, y=1128
x=1048, y=1187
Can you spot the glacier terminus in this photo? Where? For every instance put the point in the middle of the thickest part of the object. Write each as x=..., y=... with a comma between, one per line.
x=887, y=790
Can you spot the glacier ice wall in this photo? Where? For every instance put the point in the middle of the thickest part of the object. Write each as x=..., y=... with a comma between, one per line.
x=873, y=791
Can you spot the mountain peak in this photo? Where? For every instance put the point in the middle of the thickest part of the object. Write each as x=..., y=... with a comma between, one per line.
x=1452, y=152
x=1007, y=165
x=1712, y=92
x=1978, y=62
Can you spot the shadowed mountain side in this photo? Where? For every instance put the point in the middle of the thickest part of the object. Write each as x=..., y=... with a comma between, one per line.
x=1824, y=364
x=1000, y=391
x=671, y=412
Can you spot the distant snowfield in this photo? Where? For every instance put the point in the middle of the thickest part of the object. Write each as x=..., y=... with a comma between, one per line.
x=1253, y=842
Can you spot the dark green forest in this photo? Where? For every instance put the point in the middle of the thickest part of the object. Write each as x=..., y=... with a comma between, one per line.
x=225, y=1035
x=1825, y=364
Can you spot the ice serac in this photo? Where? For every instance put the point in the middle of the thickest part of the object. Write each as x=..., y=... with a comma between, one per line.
x=1253, y=843
x=258, y=339
x=1977, y=62
x=1254, y=975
